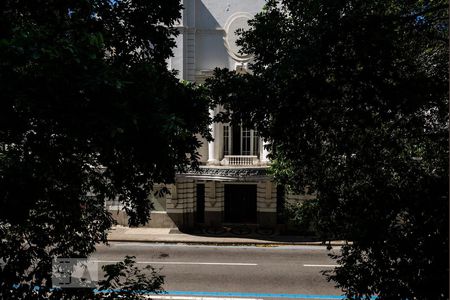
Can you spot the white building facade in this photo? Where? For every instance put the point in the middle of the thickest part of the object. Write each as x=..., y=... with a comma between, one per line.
x=232, y=186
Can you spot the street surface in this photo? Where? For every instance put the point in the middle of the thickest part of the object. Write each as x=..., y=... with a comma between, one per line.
x=218, y=272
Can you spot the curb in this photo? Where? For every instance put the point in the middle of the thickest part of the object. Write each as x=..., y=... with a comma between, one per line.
x=229, y=243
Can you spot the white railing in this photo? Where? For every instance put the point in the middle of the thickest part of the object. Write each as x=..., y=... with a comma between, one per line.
x=240, y=160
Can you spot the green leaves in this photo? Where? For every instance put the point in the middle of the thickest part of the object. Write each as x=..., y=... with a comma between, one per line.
x=124, y=279
x=346, y=92
x=90, y=113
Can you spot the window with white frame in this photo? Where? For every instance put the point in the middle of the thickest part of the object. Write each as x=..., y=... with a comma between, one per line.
x=226, y=140
x=255, y=142
x=246, y=141
x=240, y=141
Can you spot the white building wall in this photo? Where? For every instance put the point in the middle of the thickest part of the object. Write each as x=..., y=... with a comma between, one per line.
x=203, y=149
x=203, y=45
x=200, y=46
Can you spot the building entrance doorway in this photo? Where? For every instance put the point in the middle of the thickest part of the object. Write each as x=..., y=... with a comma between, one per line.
x=240, y=203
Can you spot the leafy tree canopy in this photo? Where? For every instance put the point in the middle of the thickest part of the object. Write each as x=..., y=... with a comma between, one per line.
x=88, y=112
x=353, y=97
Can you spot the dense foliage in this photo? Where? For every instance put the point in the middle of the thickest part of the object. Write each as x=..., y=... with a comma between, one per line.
x=88, y=112
x=353, y=97
x=125, y=280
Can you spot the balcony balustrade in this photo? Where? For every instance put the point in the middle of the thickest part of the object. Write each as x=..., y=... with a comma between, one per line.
x=240, y=160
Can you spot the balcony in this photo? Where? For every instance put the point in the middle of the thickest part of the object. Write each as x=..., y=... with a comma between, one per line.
x=240, y=160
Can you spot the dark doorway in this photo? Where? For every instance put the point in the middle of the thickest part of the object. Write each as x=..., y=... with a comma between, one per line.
x=200, y=213
x=240, y=203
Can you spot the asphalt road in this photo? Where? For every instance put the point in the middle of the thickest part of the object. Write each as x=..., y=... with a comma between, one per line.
x=194, y=271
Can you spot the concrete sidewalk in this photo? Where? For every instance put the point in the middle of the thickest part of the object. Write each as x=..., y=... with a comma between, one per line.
x=167, y=235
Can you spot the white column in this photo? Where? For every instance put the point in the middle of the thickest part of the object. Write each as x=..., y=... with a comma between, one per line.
x=212, y=159
x=263, y=153
x=218, y=141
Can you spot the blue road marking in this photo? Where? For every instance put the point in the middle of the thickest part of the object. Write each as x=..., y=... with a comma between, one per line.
x=239, y=294
x=217, y=294
x=256, y=295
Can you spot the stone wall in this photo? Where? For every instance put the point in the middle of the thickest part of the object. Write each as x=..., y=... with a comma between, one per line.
x=158, y=219
x=266, y=204
x=213, y=203
x=180, y=203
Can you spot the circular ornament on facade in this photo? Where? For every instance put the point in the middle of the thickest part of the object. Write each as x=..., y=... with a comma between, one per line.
x=236, y=21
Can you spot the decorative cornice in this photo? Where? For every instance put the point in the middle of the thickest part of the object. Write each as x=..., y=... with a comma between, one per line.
x=226, y=173
x=184, y=29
